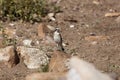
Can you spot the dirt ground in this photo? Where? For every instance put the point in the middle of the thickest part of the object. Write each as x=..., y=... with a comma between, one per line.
x=87, y=17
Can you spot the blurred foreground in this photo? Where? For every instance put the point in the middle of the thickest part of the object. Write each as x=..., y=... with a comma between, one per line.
x=80, y=70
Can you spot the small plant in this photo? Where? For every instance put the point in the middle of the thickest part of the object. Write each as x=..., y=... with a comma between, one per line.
x=8, y=42
x=44, y=68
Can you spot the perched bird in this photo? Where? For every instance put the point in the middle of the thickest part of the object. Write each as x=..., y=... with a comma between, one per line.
x=58, y=39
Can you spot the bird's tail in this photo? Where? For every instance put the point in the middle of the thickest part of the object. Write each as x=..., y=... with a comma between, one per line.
x=60, y=47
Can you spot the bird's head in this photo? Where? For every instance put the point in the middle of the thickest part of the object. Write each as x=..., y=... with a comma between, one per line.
x=57, y=30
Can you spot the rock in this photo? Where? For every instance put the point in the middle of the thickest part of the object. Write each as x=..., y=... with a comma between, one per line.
x=94, y=42
x=11, y=24
x=27, y=42
x=51, y=16
x=59, y=62
x=114, y=14
x=33, y=58
x=75, y=8
x=54, y=1
x=96, y=38
x=92, y=34
x=64, y=44
x=72, y=26
x=51, y=27
x=46, y=76
x=9, y=56
x=96, y=2
x=111, y=10
x=37, y=42
x=82, y=70
x=42, y=30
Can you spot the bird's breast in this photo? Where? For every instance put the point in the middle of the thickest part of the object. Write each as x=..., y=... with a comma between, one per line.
x=57, y=38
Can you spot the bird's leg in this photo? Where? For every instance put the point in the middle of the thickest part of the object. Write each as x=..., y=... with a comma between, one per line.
x=57, y=45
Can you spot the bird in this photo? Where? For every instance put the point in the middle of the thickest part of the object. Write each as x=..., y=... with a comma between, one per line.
x=58, y=39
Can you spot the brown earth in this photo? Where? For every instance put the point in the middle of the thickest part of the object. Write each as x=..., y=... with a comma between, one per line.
x=88, y=17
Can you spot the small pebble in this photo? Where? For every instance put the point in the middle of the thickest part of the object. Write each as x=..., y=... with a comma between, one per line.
x=27, y=42
x=72, y=26
x=11, y=24
x=51, y=27
x=94, y=42
x=96, y=2
x=51, y=16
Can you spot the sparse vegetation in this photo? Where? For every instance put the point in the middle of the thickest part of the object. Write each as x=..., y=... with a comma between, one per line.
x=6, y=41
x=25, y=10
x=44, y=68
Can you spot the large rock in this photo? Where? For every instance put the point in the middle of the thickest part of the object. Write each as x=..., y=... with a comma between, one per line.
x=33, y=58
x=42, y=30
x=9, y=56
x=59, y=62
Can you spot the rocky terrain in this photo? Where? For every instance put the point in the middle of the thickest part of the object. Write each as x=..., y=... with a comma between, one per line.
x=90, y=31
